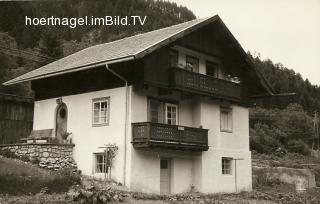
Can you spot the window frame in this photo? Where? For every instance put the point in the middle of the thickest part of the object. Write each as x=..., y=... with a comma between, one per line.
x=164, y=104
x=230, y=114
x=176, y=52
x=104, y=163
x=107, y=115
x=226, y=171
x=216, y=71
x=150, y=113
x=195, y=58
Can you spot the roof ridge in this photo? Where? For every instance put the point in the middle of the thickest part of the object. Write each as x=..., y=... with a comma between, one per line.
x=156, y=30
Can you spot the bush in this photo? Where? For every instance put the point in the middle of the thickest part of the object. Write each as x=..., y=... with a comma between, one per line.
x=263, y=178
x=265, y=139
x=298, y=146
x=8, y=154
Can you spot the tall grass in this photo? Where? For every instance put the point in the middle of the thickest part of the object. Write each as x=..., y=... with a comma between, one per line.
x=17, y=178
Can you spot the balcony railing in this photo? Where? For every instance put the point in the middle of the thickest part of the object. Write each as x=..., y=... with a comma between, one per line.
x=191, y=81
x=157, y=135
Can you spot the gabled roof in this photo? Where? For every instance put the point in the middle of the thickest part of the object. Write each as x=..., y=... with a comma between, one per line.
x=129, y=48
x=124, y=49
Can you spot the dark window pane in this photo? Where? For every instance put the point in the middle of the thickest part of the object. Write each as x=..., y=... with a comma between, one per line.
x=174, y=55
x=212, y=69
x=164, y=164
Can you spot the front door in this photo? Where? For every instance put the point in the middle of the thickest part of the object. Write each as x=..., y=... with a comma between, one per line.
x=61, y=122
x=164, y=176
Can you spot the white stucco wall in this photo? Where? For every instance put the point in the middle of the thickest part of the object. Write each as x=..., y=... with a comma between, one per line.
x=201, y=169
x=222, y=144
x=204, y=170
x=182, y=174
x=87, y=138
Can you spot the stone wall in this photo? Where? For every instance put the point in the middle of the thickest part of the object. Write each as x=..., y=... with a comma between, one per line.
x=289, y=175
x=46, y=155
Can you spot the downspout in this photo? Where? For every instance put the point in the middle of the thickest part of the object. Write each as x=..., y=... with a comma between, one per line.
x=126, y=122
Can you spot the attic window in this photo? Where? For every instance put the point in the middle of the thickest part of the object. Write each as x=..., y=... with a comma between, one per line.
x=192, y=63
x=174, y=56
x=212, y=69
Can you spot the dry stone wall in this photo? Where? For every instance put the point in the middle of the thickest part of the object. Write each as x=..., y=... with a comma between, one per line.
x=50, y=156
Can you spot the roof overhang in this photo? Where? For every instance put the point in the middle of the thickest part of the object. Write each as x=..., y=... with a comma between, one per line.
x=163, y=42
x=76, y=69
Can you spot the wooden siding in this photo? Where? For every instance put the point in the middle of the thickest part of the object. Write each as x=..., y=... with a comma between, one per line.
x=16, y=118
x=95, y=79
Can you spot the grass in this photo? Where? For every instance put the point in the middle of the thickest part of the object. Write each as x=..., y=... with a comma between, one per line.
x=20, y=178
x=16, y=167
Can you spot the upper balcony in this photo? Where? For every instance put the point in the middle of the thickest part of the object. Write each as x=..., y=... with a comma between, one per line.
x=185, y=80
x=157, y=135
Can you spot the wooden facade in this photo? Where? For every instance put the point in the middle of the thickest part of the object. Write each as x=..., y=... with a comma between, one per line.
x=16, y=118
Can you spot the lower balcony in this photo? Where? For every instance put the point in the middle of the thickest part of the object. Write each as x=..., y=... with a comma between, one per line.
x=157, y=135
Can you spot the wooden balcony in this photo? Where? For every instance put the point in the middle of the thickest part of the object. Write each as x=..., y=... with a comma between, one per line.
x=185, y=80
x=156, y=135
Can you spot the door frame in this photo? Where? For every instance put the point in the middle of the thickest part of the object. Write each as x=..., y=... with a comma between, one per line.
x=169, y=174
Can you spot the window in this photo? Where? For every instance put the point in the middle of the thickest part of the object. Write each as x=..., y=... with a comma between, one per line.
x=101, y=111
x=192, y=63
x=171, y=114
x=164, y=164
x=226, y=166
x=212, y=69
x=225, y=119
x=174, y=56
x=100, y=163
x=161, y=112
x=156, y=111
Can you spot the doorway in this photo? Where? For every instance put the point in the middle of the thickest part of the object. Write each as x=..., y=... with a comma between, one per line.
x=61, y=122
x=165, y=169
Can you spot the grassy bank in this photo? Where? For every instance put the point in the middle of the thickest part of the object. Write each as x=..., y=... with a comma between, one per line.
x=20, y=178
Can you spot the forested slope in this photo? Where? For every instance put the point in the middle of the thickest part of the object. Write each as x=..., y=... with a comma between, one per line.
x=39, y=45
x=285, y=80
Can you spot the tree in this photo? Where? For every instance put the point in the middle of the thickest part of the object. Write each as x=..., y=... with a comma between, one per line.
x=50, y=45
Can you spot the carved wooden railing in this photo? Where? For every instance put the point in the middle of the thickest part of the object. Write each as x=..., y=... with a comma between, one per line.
x=148, y=134
x=192, y=81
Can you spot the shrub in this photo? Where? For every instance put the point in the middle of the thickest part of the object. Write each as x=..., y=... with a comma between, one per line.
x=265, y=139
x=263, y=178
x=8, y=154
x=298, y=146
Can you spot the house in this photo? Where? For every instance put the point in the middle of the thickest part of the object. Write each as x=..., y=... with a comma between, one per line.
x=174, y=101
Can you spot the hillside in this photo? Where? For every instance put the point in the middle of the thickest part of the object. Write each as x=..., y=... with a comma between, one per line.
x=285, y=80
x=24, y=48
